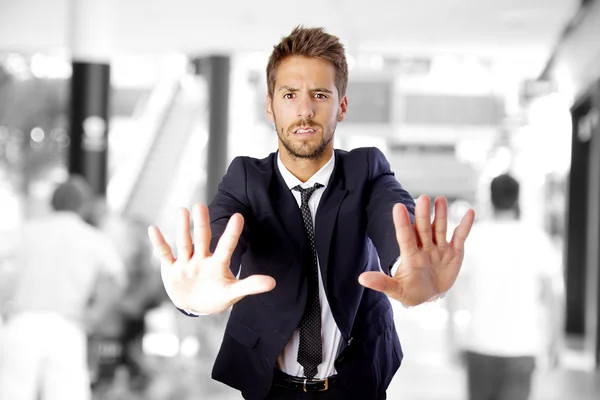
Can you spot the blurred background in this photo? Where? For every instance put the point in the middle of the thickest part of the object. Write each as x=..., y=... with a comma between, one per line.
x=150, y=100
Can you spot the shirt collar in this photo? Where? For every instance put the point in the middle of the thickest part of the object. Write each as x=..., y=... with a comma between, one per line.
x=321, y=176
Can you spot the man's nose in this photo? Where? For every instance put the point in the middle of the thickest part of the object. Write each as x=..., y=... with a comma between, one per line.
x=305, y=107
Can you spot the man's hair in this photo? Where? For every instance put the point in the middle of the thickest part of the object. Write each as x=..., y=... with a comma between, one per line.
x=314, y=43
x=504, y=191
x=75, y=194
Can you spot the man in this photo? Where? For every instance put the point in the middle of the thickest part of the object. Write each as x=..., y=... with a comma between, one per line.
x=67, y=274
x=123, y=328
x=316, y=232
x=511, y=285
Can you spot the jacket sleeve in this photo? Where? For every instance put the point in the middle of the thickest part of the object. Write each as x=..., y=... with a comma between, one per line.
x=383, y=192
x=231, y=198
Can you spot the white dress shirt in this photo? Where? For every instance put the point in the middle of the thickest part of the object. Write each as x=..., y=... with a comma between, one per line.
x=330, y=332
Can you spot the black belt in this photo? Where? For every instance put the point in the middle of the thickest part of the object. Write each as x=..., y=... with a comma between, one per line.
x=284, y=380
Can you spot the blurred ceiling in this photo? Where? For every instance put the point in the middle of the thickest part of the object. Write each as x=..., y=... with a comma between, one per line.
x=521, y=33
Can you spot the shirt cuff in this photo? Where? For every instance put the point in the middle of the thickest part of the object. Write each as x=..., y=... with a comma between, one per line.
x=395, y=267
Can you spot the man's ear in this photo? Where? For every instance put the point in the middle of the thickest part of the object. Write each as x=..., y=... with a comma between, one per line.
x=269, y=109
x=343, y=109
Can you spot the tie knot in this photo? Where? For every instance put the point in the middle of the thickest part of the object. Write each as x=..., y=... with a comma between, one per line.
x=305, y=193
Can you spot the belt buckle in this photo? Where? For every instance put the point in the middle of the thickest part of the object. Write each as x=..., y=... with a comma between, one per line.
x=326, y=387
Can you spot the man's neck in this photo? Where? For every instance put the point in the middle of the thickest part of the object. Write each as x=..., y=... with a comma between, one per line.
x=304, y=168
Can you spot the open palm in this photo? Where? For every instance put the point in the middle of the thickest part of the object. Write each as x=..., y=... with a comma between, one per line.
x=197, y=280
x=429, y=264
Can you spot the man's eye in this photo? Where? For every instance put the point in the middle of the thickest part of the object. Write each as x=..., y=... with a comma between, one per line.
x=288, y=96
x=320, y=96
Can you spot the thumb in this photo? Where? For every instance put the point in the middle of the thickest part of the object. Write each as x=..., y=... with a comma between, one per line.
x=376, y=281
x=254, y=284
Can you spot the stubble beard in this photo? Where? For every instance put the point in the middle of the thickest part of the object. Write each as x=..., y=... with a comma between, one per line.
x=301, y=151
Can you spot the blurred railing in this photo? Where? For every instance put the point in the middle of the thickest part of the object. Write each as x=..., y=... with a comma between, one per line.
x=165, y=168
x=149, y=119
x=162, y=177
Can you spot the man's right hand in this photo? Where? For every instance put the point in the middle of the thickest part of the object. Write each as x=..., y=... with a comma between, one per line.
x=197, y=280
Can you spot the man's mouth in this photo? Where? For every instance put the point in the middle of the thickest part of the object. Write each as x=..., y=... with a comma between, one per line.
x=304, y=131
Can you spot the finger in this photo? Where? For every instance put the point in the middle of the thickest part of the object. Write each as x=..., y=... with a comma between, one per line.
x=462, y=230
x=184, y=240
x=440, y=221
x=405, y=235
x=380, y=282
x=201, y=230
x=253, y=284
x=160, y=246
x=229, y=240
x=423, y=221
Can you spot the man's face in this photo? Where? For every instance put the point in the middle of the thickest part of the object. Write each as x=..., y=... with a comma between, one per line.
x=305, y=106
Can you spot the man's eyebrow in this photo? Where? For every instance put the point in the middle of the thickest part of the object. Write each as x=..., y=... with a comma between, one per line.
x=321, y=89
x=288, y=88
x=293, y=89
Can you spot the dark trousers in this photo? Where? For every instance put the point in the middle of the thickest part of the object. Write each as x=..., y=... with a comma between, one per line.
x=499, y=378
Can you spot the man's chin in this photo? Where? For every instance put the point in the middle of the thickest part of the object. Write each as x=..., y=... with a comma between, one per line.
x=304, y=153
x=304, y=150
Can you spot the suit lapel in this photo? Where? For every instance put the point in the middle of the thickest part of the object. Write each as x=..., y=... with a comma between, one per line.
x=326, y=217
x=286, y=208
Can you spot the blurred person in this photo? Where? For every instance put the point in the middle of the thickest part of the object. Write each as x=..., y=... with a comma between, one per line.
x=67, y=276
x=511, y=286
x=311, y=316
x=9, y=219
x=144, y=293
x=117, y=344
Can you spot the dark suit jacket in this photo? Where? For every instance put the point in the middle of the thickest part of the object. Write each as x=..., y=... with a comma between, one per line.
x=354, y=232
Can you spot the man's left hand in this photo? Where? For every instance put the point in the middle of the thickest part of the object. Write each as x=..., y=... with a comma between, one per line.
x=429, y=264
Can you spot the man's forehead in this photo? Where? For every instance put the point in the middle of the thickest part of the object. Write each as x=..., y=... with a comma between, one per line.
x=303, y=81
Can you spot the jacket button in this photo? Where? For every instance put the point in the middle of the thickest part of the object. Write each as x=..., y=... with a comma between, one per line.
x=350, y=341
